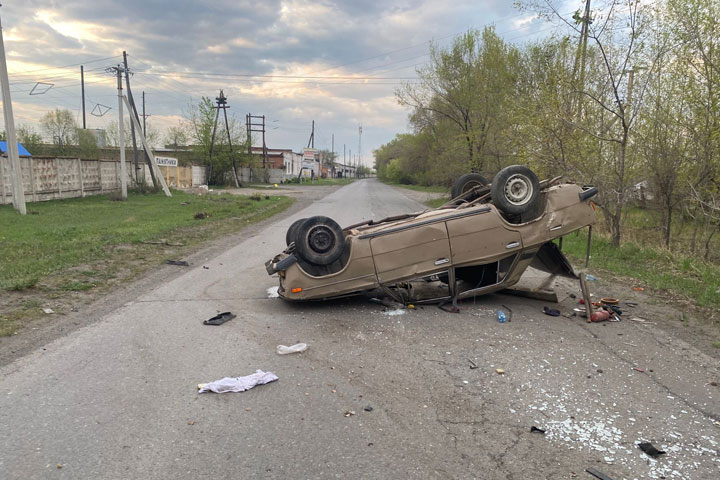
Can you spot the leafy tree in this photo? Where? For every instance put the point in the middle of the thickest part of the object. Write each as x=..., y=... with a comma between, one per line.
x=201, y=120
x=61, y=128
x=30, y=139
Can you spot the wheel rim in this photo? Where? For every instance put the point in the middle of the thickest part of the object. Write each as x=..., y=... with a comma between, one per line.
x=518, y=189
x=470, y=185
x=321, y=239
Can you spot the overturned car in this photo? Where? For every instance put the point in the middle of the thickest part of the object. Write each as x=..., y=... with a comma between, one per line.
x=479, y=242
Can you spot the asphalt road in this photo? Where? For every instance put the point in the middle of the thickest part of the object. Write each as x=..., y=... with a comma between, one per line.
x=118, y=399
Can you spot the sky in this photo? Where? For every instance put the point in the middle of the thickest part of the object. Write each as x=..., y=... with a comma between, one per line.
x=338, y=62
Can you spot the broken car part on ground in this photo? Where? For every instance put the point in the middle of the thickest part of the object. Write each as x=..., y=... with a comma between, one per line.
x=479, y=242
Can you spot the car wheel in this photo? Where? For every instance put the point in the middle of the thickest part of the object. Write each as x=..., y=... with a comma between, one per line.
x=292, y=231
x=466, y=182
x=319, y=240
x=515, y=189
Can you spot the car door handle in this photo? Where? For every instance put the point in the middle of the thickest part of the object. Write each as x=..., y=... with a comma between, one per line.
x=512, y=245
x=441, y=261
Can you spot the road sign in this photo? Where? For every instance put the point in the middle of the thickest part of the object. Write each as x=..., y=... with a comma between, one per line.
x=166, y=161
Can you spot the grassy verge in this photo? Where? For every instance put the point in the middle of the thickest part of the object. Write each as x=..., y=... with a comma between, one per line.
x=73, y=249
x=422, y=188
x=679, y=275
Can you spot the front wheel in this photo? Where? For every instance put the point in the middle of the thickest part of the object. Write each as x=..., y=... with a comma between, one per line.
x=319, y=240
x=515, y=189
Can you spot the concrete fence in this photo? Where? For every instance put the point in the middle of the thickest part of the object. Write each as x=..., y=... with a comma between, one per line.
x=48, y=178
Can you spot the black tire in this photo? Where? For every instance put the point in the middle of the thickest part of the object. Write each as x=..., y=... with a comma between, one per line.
x=515, y=190
x=466, y=182
x=319, y=240
x=292, y=231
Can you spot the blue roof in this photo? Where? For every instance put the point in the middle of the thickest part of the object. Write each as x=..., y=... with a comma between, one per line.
x=21, y=149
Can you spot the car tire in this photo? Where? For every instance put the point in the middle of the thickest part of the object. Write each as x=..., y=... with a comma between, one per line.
x=466, y=182
x=515, y=190
x=292, y=231
x=319, y=240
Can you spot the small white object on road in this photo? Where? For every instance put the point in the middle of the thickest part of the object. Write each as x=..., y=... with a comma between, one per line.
x=272, y=292
x=238, y=384
x=48, y=310
x=285, y=350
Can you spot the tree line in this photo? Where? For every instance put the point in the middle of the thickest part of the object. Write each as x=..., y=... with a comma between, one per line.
x=625, y=96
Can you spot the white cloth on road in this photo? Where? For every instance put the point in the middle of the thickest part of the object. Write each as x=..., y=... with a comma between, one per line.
x=238, y=384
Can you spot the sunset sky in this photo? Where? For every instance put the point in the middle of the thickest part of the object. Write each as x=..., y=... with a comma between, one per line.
x=335, y=62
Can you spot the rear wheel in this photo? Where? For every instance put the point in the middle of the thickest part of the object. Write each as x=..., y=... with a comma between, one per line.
x=467, y=182
x=319, y=240
x=292, y=231
x=515, y=189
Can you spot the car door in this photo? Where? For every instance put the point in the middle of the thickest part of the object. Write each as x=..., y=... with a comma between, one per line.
x=480, y=237
x=409, y=251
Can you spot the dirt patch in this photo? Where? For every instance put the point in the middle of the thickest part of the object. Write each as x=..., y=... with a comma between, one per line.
x=419, y=196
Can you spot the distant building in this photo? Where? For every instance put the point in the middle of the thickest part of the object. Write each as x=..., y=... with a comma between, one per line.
x=22, y=151
x=279, y=158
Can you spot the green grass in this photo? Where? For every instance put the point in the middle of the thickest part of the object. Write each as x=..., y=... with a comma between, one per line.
x=422, y=188
x=436, y=202
x=72, y=251
x=657, y=268
x=78, y=231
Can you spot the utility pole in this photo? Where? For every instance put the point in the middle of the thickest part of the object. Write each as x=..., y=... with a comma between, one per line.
x=13, y=155
x=251, y=128
x=311, y=140
x=359, y=149
x=121, y=129
x=132, y=125
x=82, y=89
x=222, y=104
x=581, y=54
x=144, y=115
x=332, y=157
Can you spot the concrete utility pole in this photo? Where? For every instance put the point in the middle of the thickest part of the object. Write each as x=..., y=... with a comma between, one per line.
x=359, y=149
x=82, y=90
x=13, y=155
x=121, y=129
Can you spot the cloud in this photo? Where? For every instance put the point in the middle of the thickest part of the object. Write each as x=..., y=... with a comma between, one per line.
x=170, y=45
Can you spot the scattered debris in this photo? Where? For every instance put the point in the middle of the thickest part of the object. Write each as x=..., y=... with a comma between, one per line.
x=650, y=449
x=609, y=301
x=200, y=216
x=349, y=413
x=473, y=365
x=503, y=317
x=535, y=429
x=551, y=311
x=597, y=474
x=297, y=348
x=49, y=311
x=179, y=263
x=638, y=289
x=641, y=320
x=590, y=278
x=631, y=304
x=397, y=311
x=450, y=309
x=368, y=408
x=641, y=370
x=499, y=371
x=205, y=267
x=238, y=384
x=599, y=316
x=631, y=344
x=272, y=292
x=220, y=318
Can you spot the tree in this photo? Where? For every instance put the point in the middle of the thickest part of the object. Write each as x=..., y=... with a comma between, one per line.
x=30, y=139
x=61, y=127
x=176, y=136
x=201, y=121
x=87, y=144
x=466, y=86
